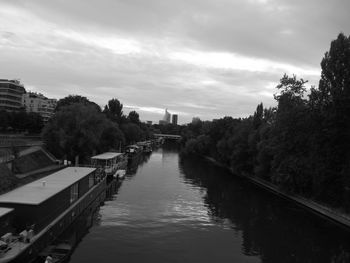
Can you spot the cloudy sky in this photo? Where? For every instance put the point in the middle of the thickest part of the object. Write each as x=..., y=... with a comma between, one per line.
x=204, y=58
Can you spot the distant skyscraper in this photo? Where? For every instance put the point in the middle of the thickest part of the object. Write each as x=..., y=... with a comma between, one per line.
x=167, y=116
x=174, y=119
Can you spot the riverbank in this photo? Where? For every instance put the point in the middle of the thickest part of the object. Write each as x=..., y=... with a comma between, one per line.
x=331, y=214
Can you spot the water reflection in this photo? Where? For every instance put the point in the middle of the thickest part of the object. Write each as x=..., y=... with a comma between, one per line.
x=171, y=209
x=136, y=162
x=272, y=228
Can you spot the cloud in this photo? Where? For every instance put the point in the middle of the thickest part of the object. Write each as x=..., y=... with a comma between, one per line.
x=237, y=62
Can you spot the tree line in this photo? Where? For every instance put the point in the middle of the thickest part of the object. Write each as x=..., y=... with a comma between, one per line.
x=302, y=145
x=80, y=128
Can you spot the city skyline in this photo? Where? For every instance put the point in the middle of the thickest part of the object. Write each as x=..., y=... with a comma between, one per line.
x=200, y=58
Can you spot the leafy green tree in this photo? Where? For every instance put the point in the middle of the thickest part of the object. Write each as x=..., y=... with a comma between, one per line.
x=290, y=134
x=147, y=132
x=291, y=87
x=335, y=77
x=169, y=129
x=258, y=116
x=331, y=111
x=241, y=157
x=72, y=99
x=198, y=146
x=134, y=117
x=190, y=146
x=34, y=122
x=265, y=153
x=112, y=138
x=74, y=130
x=132, y=132
x=114, y=111
x=19, y=120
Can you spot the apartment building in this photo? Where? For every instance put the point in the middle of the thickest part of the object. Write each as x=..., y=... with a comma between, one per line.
x=11, y=92
x=37, y=102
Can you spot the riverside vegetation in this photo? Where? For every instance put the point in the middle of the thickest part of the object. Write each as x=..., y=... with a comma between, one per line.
x=302, y=145
x=80, y=128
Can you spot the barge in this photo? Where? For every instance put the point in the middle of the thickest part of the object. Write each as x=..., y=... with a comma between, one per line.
x=146, y=146
x=133, y=151
x=35, y=214
x=110, y=163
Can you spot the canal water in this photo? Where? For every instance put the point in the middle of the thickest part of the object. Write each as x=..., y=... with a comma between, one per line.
x=172, y=209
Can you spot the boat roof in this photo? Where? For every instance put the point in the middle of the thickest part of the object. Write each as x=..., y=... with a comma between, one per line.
x=5, y=211
x=35, y=192
x=106, y=156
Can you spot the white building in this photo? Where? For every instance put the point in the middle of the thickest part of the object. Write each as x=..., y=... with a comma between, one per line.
x=36, y=102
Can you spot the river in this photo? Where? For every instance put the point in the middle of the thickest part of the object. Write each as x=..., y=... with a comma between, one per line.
x=173, y=209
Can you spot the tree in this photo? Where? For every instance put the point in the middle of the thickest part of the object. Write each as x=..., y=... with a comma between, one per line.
x=132, y=132
x=291, y=87
x=114, y=110
x=258, y=116
x=331, y=111
x=134, y=117
x=72, y=99
x=335, y=76
x=199, y=146
x=112, y=138
x=290, y=135
x=35, y=122
x=19, y=120
x=74, y=130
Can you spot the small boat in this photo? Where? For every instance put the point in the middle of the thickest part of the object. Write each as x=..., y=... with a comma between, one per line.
x=133, y=151
x=120, y=174
x=59, y=253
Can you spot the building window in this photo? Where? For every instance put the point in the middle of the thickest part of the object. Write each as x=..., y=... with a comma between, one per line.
x=74, y=193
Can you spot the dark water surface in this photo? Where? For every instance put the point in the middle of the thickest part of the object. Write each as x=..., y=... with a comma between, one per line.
x=187, y=210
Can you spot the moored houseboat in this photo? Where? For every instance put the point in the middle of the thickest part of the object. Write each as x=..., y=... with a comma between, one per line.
x=110, y=162
x=133, y=151
x=37, y=213
x=158, y=142
x=146, y=146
